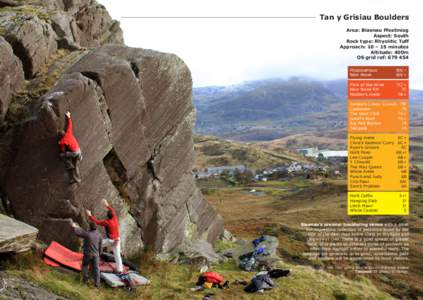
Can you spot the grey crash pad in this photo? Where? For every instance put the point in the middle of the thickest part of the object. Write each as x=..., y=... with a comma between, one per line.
x=114, y=281
x=15, y=236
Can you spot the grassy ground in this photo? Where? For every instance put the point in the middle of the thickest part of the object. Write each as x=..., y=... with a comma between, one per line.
x=282, y=207
x=213, y=152
x=170, y=281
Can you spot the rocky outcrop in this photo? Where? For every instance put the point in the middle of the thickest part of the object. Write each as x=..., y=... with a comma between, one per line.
x=12, y=288
x=15, y=236
x=84, y=23
x=35, y=29
x=38, y=28
x=11, y=76
x=31, y=37
x=133, y=116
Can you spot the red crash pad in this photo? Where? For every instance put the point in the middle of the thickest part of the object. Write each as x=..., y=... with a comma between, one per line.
x=50, y=262
x=64, y=256
x=56, y=255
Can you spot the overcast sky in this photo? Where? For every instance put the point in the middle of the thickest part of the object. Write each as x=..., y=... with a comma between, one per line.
x=228, y=51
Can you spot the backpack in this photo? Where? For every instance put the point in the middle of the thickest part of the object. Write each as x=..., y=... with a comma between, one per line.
x=259, y=240
x=246, y=255
x=261, y=281
x=247, y=264
x=212, y=277
x=276, y=273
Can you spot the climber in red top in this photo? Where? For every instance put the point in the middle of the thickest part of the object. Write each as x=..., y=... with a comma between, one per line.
x=111, y=224
x=70, y=152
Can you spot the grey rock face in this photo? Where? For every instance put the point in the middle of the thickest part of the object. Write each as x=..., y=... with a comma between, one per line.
x=133, y=117
x=32, y=39
x=11, y=76
x=36, y=29
x=15, y=236
x=32, y=36
x=85, y=23
x=94, y=27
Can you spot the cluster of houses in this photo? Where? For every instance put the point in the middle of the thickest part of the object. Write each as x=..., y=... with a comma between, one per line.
x=274, y=173
x=332, y=155
x=278, y=172
x=295, y=168
x=217, y=171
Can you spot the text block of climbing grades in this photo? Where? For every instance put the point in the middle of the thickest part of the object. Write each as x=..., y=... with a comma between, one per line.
x=379, y=116
x=378, y=162
x=378, y=140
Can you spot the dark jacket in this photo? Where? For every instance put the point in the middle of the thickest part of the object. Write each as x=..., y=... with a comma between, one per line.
x=92, y=241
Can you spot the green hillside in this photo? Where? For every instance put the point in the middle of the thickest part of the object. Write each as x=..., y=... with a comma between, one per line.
x=214, y=152
x=271, y=109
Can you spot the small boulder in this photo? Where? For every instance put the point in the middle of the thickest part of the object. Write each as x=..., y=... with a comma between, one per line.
x=16, y=236
x=197, y=252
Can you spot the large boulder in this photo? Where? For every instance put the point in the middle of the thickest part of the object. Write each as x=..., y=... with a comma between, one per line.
x=133, y=117
x=11, y=76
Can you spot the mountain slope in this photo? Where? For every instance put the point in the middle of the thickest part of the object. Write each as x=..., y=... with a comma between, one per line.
x=214, y=152
x=276, y=108
x=261, y=106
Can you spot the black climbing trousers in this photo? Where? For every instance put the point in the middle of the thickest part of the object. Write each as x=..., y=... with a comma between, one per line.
x=91, y=263
x=72, y=160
